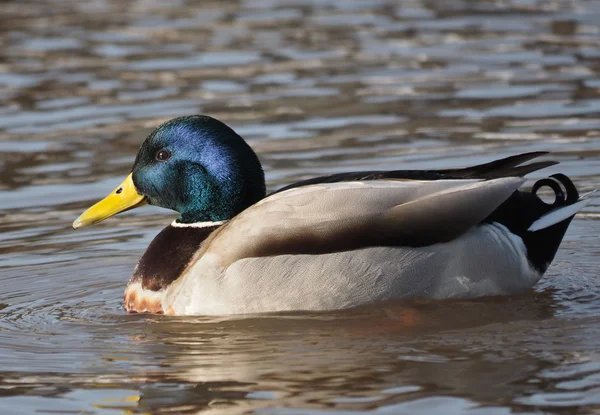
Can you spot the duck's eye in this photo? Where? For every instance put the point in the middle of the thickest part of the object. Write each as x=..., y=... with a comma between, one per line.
x=163, y=155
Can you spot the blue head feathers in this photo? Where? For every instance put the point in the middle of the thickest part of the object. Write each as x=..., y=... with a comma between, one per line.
x=199, y=167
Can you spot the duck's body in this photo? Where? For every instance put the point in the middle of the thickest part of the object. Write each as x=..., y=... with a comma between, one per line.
x=479, y=263
x=332, y=242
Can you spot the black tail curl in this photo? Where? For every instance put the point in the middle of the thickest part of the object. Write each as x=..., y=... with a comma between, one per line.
x=558, y=182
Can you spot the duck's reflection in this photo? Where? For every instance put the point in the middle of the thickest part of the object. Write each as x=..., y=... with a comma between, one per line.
x=358, y=359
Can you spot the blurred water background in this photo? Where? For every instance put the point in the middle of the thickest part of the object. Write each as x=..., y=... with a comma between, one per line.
x=316, y=87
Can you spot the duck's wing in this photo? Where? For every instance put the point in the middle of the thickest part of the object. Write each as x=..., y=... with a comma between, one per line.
x=506, y=167
x=333, y=217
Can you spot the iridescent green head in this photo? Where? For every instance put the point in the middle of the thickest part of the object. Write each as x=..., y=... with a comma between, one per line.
x=195, y=165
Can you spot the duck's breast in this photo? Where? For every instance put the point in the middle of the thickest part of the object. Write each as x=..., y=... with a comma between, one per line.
x=163, y=262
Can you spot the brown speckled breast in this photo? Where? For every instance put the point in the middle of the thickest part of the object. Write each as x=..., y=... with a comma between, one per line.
x=167, y=256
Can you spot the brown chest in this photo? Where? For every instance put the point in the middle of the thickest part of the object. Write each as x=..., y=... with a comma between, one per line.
x=168, y=255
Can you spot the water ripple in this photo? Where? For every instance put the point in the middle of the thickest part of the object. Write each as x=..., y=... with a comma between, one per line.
x=316, y=88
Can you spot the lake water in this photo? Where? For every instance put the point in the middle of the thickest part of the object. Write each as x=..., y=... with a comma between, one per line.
x=316, y=87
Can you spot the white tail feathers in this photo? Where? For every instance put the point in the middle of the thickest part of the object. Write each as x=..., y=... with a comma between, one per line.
x=558, y=215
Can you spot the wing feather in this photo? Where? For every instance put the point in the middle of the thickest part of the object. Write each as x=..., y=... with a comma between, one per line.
x=337, y=217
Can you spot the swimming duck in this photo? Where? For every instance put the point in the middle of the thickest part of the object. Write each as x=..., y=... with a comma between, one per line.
x=331, y=242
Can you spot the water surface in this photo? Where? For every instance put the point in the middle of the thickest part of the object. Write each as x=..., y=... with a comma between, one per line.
x=316, y=88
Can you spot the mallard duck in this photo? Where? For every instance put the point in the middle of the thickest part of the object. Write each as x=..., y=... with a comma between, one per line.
x=331, y=242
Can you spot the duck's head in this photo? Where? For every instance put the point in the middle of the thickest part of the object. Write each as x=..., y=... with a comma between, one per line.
x=195, y=165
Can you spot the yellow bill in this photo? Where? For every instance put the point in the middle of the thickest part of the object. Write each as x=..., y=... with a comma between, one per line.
x=123, y=198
